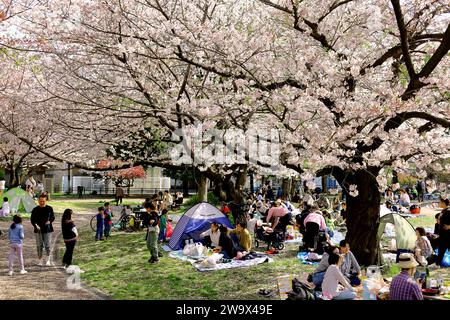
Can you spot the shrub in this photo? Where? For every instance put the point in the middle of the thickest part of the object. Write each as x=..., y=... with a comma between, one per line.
x=193, y=200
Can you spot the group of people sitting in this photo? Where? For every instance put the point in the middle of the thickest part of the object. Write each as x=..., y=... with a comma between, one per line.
x=338, y=265
x=232, y=243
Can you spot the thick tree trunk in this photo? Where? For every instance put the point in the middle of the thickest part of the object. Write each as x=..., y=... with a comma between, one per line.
x=293, y=186
x=202, y=192
x=227, y=190
x=324, y=184
x=241, y=179
x=363, y=216
x=252, y=184
x=394, y=177
x=185, y=188
x=286, y=187
x=14, y=177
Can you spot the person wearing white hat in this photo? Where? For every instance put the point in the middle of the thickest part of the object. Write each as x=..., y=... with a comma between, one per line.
x=403, y=286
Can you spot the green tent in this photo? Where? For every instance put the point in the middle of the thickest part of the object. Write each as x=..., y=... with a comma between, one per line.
x=19, y=200
x=405, y=234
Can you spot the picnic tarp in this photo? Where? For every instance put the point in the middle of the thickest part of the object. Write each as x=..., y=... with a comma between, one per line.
x=195, y=261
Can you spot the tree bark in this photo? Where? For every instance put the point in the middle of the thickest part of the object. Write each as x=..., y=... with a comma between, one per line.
x=324, y=184
x=241, y=179
x=185, y=188
x=202, y=192
x=363, y=215
x=293, y=186
x=394, y=177
x=286, y=187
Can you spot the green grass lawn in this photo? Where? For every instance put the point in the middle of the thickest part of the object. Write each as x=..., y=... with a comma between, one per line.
x=87, y=205
x=119, y=267
x=10, y=217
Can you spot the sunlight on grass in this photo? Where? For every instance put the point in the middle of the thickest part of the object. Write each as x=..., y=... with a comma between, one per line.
x=119, y=267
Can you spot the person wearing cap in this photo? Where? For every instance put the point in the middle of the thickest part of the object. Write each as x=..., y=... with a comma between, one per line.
x=403, y=286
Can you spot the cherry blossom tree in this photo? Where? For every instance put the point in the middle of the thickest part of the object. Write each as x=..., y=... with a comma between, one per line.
x=121, y=177
x=352, y=87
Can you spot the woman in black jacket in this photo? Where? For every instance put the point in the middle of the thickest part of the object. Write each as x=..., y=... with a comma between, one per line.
x=70, y=236
x=444, y=230
x=226, y=246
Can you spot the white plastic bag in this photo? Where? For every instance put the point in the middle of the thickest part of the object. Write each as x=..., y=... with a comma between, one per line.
x=211, y=261
x=187, y=250
x=199, y=249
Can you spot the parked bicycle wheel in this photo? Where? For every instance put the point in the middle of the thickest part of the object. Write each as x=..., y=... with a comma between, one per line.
x=94, y=223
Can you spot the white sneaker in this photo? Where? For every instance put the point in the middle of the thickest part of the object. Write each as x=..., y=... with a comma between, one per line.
x=48, y=263
x=23, y=271
x=10, y=273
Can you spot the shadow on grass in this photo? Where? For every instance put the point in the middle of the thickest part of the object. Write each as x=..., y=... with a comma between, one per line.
x=119, y=267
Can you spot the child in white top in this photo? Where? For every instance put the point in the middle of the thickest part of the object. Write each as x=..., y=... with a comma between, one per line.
x=5, y=208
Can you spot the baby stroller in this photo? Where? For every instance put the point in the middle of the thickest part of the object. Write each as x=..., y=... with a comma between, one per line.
x=275, y=238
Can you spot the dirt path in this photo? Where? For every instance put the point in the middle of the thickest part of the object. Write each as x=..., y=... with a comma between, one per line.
x=40, y=283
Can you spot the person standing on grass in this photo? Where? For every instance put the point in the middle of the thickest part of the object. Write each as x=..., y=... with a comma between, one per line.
x=30, y=185
x=162, y=226
x=119, y=195
x=100, y=223
x=16, y=236
x=444, y=229
x=167, y=200
x=6, y=209
x=70, y=236
x=152, y=232
x=108, y=220
x=42, y=218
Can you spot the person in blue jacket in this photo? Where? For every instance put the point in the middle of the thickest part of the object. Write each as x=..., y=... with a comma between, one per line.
x=100, y=223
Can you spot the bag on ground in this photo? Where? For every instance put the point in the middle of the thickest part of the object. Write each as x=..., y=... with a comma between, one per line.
x=300, y=291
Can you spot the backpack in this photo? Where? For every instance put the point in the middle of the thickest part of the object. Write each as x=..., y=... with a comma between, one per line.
x=300, y=291
x=414, y=209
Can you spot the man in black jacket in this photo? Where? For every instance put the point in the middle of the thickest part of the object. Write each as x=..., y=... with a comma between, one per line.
x=42, y=218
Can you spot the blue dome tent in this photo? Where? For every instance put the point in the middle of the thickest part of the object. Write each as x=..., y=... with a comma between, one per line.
x=194, y=221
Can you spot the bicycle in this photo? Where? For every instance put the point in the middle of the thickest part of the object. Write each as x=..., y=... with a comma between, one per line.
x=126, y=221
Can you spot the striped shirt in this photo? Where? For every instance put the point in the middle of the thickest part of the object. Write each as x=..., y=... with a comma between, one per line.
x=403, y=287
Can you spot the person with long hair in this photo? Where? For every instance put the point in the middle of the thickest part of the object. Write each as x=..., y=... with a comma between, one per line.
x=70, y=236
x=444, y=229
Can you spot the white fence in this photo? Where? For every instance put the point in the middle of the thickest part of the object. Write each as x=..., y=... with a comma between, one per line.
x=140, y=186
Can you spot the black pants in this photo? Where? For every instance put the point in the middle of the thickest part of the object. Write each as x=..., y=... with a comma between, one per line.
x=443, y=245
x=67, y=259
x=118, y=200
x=312, y=230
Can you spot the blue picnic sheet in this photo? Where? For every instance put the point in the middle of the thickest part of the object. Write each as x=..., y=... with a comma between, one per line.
x=302, y=256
